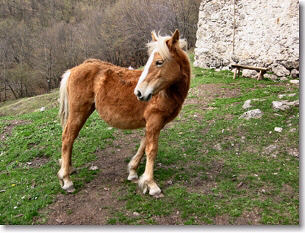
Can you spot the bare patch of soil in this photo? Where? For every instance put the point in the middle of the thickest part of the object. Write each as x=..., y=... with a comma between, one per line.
x=205, y=186
x=203, y=94
x=38, y=162
x=249, y=218
x=172, y=219
x=7, y=131
x=222, y=220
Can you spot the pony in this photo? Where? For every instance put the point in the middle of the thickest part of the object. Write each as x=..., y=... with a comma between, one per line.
x=126, y=99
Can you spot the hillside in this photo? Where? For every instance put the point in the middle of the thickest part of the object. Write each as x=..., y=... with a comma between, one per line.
x=30, y=104
x=213, y=166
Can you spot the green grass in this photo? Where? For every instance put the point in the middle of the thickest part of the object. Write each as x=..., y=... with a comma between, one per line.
x=200, y=182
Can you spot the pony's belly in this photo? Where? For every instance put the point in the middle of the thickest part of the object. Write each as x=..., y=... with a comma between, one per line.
x=121, y=120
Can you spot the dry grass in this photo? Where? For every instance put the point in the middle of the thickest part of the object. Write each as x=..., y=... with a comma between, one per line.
x=31, y=104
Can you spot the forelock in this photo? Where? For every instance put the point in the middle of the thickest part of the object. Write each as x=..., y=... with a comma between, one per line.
x=161, y=47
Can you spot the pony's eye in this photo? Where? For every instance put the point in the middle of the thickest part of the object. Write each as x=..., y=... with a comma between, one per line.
x=159, y=63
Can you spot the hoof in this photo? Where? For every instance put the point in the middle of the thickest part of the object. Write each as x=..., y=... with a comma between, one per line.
x=157, y=196
x=150, y=186
x=155, y=191
x=65, y=183
x=132, y=176
x=68, y=187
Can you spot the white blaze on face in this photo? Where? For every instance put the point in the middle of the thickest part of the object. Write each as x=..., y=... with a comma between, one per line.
x=146, y=69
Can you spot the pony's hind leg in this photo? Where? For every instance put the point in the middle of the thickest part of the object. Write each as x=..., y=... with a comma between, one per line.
x=74, y=124
x=135, y=161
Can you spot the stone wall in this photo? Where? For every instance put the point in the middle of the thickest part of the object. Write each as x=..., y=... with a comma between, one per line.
x=261, y=33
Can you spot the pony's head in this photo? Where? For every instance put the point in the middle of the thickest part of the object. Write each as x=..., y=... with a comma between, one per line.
x=162, y=68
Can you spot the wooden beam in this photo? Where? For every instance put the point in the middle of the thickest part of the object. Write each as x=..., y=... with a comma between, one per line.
x=249, y=67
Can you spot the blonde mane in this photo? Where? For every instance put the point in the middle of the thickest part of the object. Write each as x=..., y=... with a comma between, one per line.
x=161, y=46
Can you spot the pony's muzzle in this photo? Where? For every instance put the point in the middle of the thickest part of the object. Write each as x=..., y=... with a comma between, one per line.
x=142, y=97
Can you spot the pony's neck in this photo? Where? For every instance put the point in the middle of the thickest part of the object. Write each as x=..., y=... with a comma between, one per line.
x=180, y=88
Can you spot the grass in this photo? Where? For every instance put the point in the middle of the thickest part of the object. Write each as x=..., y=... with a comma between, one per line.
x=30, y=104
x=236, y=181
x=24, y=188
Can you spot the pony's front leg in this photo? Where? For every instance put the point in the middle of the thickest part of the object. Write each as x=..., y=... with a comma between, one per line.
x=146, y=181
x=135, y=161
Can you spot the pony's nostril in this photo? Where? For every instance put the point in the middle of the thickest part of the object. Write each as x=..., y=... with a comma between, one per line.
x=139, y=94
x=149, y=96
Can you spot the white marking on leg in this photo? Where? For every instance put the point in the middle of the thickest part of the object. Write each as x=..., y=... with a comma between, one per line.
x=61, y=173
x=134, y=162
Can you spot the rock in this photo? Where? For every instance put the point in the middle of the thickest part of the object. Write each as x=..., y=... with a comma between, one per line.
x=217, y=147
x=292, y=130
x=294, y=73
x=42, y=109
x=289, y=64
x=272, y=77
x=283, y=105
x=294, y=81
x=170, y=182
x=93, y=168
x=59, y=221
x=278, y=129
x=136, y=213
x=249, y=73
x=294, y=152
x=240, y=184
x=255, y=113
x=269, y=149
x=280, y=70
x=284, y=79
x=247, y=104
x=281, y=96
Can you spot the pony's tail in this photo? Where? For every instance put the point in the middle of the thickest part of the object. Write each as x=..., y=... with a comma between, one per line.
x=63, y=99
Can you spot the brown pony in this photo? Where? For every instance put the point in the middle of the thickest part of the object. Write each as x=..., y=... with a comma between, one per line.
x=126, y=99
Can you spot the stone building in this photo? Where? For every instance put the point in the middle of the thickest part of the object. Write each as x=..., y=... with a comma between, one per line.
x=261, y=33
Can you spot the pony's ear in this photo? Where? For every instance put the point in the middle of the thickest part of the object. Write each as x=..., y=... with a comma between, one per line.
x=153, y=36
x=173, y=40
